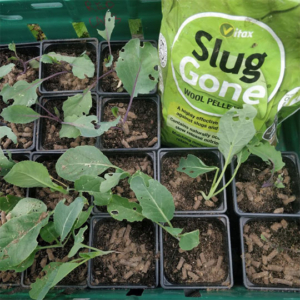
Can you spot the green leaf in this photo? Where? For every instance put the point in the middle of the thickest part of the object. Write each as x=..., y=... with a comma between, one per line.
x=19, y=233
x=137, y=62
x=156, y=201
x=19, y=114
x=102, y=199
x=65, y=216
x=268, y=153
x=189, y=240
x=243, y=155
x=80, y=29
x=173, y=231
x=144, y=176
x=6, y=131
x=34, y=64
x=82, y=67
x=4, y=70
x=235, y=132
x=115, y=111
x=78, y=239
x=12, y=47
x=22, y=92
x=111, y=180
x=29, y=174
x=109, y=26
x=94, y=254
x=78, y=105
x=48, y=233
x=56, y=111
x=27, y=206
x=83, y=217
x=53, y=57
x=80, y=161
x=24, y=265
x=109, y=61
x=47, y=59
x=6, y=163
x=69, y=131
x=13, y=58
x=8, y=202
x=120, y=208
x=193, y=166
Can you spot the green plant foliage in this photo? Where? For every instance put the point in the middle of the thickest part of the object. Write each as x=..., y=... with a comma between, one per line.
x=34, y=64
x=19, y=114
x=6, y=163
x=80, y=29
x=8, y=202
x=78, y=105
x=112, y=179
x=109, y=26
x=28, y=206
x=6, y=131
x=24, y=265
x=69, y=131
x=78, y=239
x=12, y=47
x=48, y=233
x=4, y=70
x=189, y=240
x=83, y=217
x=135, y=66
x=173, y=231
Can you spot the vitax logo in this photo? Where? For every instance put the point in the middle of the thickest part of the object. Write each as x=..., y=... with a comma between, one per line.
x=227, y=30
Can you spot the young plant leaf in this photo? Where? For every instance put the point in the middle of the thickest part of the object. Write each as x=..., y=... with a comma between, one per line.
x=78, y=105
x=138, y=63
x=8, y=202
x=29, y=174
x=173, y=231
x=120, y=208
x=19, y=233
x=6, y=131
x=4, y=70
x=6, y=163
x=48, y=59
x=242, y=156
x=69, y=131
x=194, y=166
x=12, y=47
x=19, y=114
x=27, y=206
x=235, y=134
x=279, y=182
x=34, y=64
x=94, y=254
x=115, y=111
x=48, y=233
x=111, y=180
x=109, y=26
x=156, y=201
x=22, y=92
x=79, y=238
x=65, y=216
x=189, y=240
x=83, y=217
x=80, y=161
x=24, y=265
x=82, y=67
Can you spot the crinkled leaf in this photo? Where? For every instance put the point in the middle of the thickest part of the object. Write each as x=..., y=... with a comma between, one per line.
x=156, y=201
x=17, y=234
x=28, y=206
x=22, y=92
x=69, y=131
x=19, y=114
x=193, y=166
x=34, y=64
x=82, y=160
x=109, y=26
x=6, y=131
x=111, y=180
x=189, y=240
x=235, y=132
x=268, y=153
x=120, y=208
x=83, y=217
x=65, y=216
x=173, y=231
x=8, y=202
x=137, y=63
x=79, y=238
x=78, y=105
x=4, y=70
x=48, y=233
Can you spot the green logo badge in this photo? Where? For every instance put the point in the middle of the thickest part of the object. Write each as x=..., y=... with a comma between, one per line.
x=226, y=29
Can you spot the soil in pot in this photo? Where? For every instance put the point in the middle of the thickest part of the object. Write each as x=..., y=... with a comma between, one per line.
x=68, y=81
x=186, y=190
x=50, y=129
x=252, y=197
x=9, y=277
x=207, y=264
x=50, y=198
x=272, y=252
x=129, y=163
x=140, y=129
x=134, y=264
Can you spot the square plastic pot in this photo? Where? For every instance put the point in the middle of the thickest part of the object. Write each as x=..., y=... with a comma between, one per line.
x=115, y=45
x=128, y=153
x=94, y=221
x=247, y=283
x=47, y=46
x=166, y=284
x=153, y=99
x=292, y=162
x=212, y=153
x=41, y=121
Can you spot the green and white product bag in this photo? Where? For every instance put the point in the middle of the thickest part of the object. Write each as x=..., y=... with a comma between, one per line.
x=218, y=54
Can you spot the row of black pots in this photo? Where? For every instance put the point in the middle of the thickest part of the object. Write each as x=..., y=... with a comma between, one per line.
x=79, y=46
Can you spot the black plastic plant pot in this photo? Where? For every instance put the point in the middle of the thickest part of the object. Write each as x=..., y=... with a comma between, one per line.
x=186, y=190
x=129, y=158
x=136, y=260
x=58, y=84
x=29, y=50
x=292, y=165
x=208, y=266
x=270, y=253
x=48, y=130
x=143, y=133
x=104, y=85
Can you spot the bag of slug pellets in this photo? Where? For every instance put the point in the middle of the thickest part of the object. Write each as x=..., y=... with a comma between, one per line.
x=218, y=54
